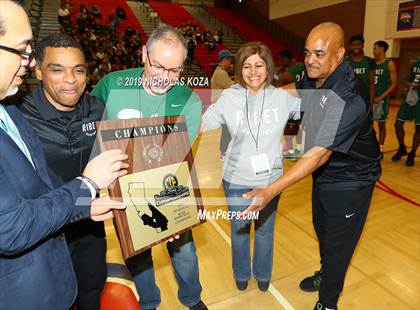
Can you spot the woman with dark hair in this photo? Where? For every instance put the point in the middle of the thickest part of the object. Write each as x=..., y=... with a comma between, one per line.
x=255, y=113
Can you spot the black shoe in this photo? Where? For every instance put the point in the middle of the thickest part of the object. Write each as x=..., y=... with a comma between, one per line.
x=410, y=159
x=402, y=151
x=199, y=306
x=312, y=284
x=263, y=285
x=241, y=285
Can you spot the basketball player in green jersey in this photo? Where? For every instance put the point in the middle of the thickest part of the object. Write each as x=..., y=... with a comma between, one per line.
x=409, y=111
x=363, y=66
x=290, y=72
x=385, y=83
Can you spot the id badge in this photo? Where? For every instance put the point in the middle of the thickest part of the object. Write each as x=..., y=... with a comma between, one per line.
x=260, y=165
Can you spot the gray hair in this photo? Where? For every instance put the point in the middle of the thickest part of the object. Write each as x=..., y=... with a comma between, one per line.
x=167, y=34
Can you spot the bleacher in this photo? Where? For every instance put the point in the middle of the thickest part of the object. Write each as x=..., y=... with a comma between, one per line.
x=107, y=8
x=247, y=29
x=175, y=15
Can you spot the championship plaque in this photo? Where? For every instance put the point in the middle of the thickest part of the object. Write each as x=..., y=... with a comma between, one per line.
x=161, y=188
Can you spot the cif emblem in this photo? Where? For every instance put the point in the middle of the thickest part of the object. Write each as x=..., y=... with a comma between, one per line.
x=170, y=181
x=171, y=190
x=152, y=152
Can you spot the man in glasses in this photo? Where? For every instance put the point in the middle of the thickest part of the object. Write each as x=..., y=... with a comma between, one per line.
x=35, y=267
x=64, y=119
x=150, y=92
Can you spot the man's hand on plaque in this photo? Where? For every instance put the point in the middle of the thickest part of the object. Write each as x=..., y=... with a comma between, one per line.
x=106, y=167
x=101, y=208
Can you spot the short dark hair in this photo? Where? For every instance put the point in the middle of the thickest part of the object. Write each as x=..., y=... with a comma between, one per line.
x=54, y=40
x=382, y=44
x=286, y=54
x=2, y=25
x=357, y=37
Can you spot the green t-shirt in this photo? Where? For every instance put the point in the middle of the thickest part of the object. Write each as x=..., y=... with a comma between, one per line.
x=382, y=78
x=297, y=72
x=125, y=97
x=362, y=68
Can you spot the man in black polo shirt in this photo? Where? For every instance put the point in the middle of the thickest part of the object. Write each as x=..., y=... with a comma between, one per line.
x=64, y=120
x=342, y=154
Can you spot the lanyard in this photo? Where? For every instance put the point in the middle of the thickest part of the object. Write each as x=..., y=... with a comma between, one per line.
x=255, y=138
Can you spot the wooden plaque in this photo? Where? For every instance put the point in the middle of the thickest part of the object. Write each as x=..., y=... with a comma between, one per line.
x=161, y=188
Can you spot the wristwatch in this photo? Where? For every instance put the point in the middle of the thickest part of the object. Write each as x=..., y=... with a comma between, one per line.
x=92, y=184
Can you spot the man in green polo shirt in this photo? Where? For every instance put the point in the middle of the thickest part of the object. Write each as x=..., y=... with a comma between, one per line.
x=155, y=91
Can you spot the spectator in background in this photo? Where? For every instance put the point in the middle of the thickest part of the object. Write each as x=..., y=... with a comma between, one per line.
x=385, y=83
x=409, y=111
x=221, y=35
x=113, y=21
x=63, y=15
x=220, y=80
x=100, y=54
x=123, y=50
x=198, y=36
x=191, y=49
x=67, y=4
x=96, y=11
x=291, y=71
x=363, y=66
x=121, y=13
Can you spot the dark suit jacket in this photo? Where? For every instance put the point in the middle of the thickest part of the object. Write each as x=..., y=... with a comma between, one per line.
x=35, y=267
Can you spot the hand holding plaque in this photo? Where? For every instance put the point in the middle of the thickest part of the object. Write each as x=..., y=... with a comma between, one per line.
x=106, y=167
x=161, y=188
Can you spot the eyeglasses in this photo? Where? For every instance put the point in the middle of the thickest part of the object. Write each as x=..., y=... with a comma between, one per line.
x=161, y=69
x=23, y=54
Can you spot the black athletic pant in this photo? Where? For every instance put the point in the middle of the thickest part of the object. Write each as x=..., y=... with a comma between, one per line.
x=338, y=217
x=87, y=246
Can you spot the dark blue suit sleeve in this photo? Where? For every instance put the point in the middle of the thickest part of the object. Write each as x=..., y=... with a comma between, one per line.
x=57, y=181
x=26, y=222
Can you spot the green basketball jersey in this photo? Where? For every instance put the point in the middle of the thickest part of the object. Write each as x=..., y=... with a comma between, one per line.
x=382, y=77
x=297, y=71
x=362, y=68
x=415, y=71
